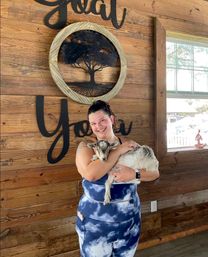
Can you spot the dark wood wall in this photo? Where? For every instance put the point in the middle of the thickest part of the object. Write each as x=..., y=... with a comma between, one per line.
x=39, y=199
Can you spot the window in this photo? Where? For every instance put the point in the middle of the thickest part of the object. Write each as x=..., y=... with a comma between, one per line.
x=186, y=91
x=181, y=91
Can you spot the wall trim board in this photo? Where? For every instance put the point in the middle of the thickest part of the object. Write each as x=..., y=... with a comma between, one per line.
x=173, y=236
x=188, y=199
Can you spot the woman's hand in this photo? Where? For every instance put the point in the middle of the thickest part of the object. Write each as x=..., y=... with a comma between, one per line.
x=122, y=173
x=126, y=146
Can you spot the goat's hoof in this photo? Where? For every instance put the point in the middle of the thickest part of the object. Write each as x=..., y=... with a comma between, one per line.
x=106, y=202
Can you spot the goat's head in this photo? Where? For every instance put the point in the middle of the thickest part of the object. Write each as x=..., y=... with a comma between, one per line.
x=102, y=148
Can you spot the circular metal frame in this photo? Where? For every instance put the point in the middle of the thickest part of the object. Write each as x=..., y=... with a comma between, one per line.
x=55, y=72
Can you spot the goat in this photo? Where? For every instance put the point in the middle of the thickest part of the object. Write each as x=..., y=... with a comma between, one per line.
x=142, y=157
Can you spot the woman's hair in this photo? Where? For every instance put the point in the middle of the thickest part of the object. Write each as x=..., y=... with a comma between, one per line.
x=100, y=105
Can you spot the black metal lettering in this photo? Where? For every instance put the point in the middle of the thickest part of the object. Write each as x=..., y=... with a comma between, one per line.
x=114, y=15
x=61, y=10
x=79, y=7
x=82, y=128
x=122, y=128
x=49, y=3
x=63, y=122
x=94, y=8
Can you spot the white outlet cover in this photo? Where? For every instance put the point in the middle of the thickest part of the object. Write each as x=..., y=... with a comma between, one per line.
x=153, y=206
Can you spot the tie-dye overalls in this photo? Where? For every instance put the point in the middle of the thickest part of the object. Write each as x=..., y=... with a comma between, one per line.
x=110, y=230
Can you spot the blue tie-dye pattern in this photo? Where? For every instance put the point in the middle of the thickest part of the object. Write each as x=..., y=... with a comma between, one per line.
x=110, y=230
x=124, y=201
x=104, y=239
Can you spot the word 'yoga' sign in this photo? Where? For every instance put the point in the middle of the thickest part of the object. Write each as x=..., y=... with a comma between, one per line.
x=62, y=131
x=96, y=7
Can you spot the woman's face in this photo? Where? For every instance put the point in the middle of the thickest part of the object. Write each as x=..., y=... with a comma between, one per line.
x=101, y=124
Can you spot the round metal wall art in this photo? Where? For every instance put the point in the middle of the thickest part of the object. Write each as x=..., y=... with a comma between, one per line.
x=87, y=62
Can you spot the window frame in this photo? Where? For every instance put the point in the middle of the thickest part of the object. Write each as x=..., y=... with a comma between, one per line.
x=164, y=26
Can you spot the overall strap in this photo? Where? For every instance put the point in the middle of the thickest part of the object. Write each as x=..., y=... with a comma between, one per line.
x=120, y=140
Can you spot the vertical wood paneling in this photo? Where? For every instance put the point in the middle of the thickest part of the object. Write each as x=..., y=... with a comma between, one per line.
x=38, y=199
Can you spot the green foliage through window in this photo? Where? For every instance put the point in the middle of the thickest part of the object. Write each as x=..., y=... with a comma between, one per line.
x=187, y=67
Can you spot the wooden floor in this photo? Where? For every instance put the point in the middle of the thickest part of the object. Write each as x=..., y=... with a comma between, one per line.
x=191, y=246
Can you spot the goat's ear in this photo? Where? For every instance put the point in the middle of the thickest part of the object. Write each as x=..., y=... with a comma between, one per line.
x=114, y=145
x=138, y=146
x=91, y=145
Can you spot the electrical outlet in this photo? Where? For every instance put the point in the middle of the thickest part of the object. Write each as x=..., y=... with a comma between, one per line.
x=153, y=206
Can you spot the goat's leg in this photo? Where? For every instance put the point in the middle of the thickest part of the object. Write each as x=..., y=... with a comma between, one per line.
x=107, y=196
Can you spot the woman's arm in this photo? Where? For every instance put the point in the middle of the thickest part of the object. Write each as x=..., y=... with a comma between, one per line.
x=94, y=170
x=123, y=174
x=149, y=175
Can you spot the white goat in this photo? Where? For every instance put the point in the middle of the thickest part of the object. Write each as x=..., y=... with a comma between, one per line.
x=142, y=157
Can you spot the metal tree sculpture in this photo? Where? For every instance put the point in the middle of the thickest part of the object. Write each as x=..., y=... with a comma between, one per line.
x=90, y=51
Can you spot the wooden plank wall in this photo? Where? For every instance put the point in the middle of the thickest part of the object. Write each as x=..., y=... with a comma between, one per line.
x=39, y=199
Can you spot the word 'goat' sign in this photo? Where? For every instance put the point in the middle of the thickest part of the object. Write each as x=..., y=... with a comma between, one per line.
x=96, y=7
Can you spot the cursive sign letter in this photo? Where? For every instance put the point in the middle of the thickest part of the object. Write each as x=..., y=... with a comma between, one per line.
x=63, y=122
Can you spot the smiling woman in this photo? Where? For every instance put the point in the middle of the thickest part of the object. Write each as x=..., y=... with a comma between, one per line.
x=97, y=224
x=111, y=229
